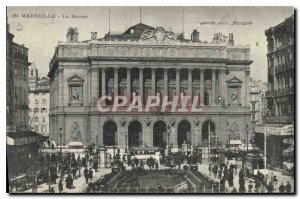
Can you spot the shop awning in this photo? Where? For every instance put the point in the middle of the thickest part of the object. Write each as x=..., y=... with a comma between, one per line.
x=289, y=151
x=18, y=138
x=235, y=142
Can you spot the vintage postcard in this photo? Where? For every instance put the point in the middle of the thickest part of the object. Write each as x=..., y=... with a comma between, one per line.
x=150, y=100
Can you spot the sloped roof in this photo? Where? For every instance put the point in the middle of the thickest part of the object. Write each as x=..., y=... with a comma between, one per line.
x=138, y=29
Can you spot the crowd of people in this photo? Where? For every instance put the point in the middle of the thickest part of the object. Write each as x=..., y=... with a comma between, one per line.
x=67, y=166
x=256, y=183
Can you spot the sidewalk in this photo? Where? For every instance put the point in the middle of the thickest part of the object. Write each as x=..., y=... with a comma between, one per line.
x=79, y=183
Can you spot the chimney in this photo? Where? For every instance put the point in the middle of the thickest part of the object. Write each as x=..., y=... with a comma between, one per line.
x=93, y=35
x=195, y=35
x=231, y=42
x=72, y=35
x=69, y=35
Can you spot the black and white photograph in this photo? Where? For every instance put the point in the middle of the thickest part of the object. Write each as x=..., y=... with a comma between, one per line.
x=150, y=100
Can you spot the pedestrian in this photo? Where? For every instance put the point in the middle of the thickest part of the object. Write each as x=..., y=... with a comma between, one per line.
x=86, y=175
x=230, y=178
x=74, y=171
x=96, y=165
x=69, y=182
x=242, y=188
x=281, y=188
x=234, y=190
x=51, y=190
x=250, y=186
x=215, y=170
x=288, y=187
x=222, y=185
x=270, y=187
x=91, y=174
x=209, y=169
x=60, y=186
x=142, y=164
x=220, y=172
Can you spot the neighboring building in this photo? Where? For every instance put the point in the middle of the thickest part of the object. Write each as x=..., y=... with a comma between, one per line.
x=146, y=61
x=22, y=144
x=16, y=84
x=258, y=102
x=39, y=102
x=279, y=122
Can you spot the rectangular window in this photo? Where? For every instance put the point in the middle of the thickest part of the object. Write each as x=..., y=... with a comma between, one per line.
x=253, y=116
x=253, y=106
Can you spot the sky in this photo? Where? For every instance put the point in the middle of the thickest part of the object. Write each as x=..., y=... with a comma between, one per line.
x=41, y=35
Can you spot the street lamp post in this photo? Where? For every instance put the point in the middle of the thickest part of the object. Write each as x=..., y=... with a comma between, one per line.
x=168, y=132
x=208, y=141
x=126, y=143
x=247, y=127
x=61, y=158
x=265, y=148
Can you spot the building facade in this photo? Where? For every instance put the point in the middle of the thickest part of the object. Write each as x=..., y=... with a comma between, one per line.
x=147, y=61
x=258, y=101
x=39, y=102
x=16, y=84
x=279, y=121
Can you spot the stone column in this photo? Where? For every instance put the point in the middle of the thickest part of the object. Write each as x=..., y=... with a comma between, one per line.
x=201, y=87
x=94, y=84
x=166, y=81
x=141, y=84
x=129, y=85
x=213, y=87
x=222, y=85
x=60, y=89
x=247, y=82
x=103, y=73
x=116, y=82
x=178, y=82
x=190, y=82
x=153, y=79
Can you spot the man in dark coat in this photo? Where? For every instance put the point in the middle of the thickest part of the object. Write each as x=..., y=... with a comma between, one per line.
x=288, y=187
x=242, y=188
x=86, y=175
x=230, y=178
x=222, y=185
x=281, y=188
x=60, y=186
x=74, y=171
x=95, y=164
x=69, y=182
x=91, y=174
x=270, y=187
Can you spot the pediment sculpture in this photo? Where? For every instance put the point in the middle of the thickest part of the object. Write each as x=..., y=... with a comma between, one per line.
x=159, y=35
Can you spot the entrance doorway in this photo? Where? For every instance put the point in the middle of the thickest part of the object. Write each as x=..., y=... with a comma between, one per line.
x=135, y=134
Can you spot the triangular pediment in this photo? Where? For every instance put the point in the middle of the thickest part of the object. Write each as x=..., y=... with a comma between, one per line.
x=75, y=78
x=234, y=80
